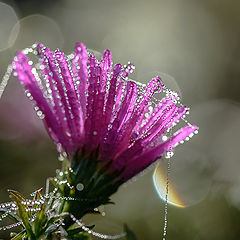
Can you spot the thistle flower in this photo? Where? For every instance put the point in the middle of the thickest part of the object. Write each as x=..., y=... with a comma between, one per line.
x=106, y=124
x=90, y=106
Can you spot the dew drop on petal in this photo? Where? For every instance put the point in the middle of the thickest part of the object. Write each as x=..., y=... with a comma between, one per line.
x=164, y=138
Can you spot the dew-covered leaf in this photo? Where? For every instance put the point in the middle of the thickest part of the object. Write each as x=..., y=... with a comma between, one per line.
x=15, y=196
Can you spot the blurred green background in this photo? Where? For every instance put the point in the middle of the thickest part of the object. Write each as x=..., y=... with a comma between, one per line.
x=197, y=43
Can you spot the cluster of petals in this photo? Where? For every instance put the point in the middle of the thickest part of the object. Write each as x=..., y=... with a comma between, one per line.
x=90, y=104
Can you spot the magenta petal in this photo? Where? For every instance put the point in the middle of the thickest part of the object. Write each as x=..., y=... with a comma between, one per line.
x=181, y=111
x=100, y=97
x=106, y=67
x=64, y=93
x=154, y=85
x=23, y=69
x=57, y=106
x=120, y=84
x=24, y=72
x=111, y=94
x=161, y=123
x=123, y=116
x=154, y=116
x=80, y=72
x=127, y=105
x=126, y=155
x=182, y=134
x=127, y=129
x=55, y=72
x=74, y=109
x=143, y=160
x=93, y=90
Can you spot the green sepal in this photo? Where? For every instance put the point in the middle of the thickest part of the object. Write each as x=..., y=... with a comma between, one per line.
x=40, y=221
x=130, y=235
x=15, y=196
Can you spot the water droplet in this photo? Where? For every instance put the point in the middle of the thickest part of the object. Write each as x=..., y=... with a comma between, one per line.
x=80, y=187
x=39, y=113
x=59, y=149
x=164, y=138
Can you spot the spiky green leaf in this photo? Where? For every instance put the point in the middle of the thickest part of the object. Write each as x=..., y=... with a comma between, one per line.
x=15, y=196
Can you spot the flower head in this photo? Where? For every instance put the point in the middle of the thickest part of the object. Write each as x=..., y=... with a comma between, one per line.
x=90, y=106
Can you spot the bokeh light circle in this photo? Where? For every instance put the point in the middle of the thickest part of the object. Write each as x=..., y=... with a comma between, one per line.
x=36, y=28
x=8, y=21
x=189, y=182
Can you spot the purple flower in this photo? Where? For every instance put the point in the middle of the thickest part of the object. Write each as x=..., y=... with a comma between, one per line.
x=90, y=106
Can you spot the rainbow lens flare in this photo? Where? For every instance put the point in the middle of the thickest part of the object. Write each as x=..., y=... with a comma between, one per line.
x=189, y=181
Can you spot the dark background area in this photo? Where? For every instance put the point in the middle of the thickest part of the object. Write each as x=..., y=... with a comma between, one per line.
x=197, y=43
